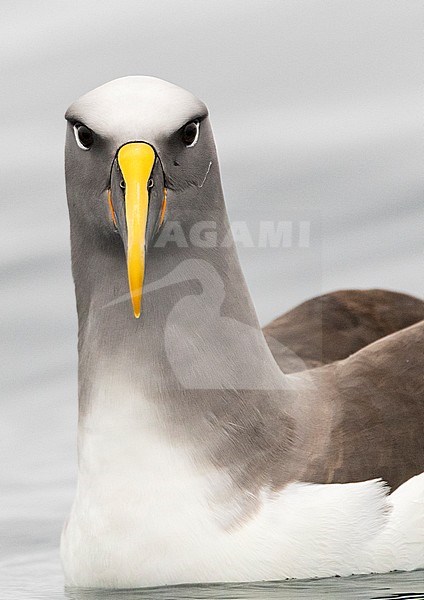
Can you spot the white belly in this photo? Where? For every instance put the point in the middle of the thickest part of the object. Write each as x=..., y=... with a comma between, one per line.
x=146, y=515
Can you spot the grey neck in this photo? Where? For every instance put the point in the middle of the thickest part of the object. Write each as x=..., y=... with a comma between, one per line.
x=198, y=328
x=196, y=353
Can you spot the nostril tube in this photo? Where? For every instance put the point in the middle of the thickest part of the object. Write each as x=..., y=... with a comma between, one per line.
x=122, y=184
x=150, y=183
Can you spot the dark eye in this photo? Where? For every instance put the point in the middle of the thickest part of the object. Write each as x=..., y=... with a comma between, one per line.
x=84, y=136
x=191, y=133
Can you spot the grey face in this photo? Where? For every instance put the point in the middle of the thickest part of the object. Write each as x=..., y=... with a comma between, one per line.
x=132, y=109
x=128, y=143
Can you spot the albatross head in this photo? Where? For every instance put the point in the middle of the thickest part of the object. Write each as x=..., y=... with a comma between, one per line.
x=128, y=143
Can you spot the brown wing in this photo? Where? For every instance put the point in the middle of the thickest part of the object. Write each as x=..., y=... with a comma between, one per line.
x=373, y=404
x=334, y=326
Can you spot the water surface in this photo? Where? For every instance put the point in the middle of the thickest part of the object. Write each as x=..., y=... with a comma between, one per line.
x=37, y=576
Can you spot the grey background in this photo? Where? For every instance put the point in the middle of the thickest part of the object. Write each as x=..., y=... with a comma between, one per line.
x=317, y=113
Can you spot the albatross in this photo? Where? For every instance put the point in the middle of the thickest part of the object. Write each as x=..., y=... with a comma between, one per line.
x=199, y=459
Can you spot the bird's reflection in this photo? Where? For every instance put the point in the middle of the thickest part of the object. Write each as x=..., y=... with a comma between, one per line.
x=368, y=587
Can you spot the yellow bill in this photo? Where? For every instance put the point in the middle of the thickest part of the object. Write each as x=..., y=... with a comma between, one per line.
x=136, y=161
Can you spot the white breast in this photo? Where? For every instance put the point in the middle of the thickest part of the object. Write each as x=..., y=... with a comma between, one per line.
x=145, y=514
